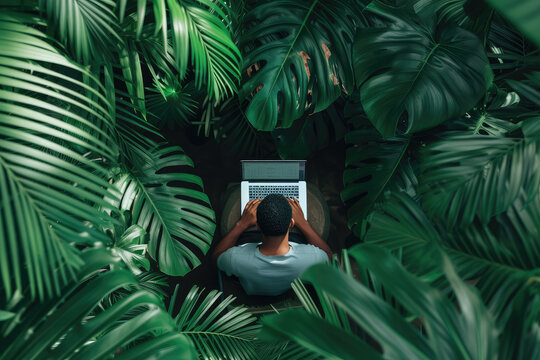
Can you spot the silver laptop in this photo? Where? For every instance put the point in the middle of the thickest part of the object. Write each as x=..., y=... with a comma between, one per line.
x=264, y=177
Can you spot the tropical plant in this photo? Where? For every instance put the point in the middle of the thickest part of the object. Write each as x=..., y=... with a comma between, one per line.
x=81, y=168
x=281, y=86
x=215, y=327
x=437, y=102
x=74, y=325
x=350, y=311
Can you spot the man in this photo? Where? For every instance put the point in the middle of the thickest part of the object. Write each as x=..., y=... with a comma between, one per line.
x=269, y=267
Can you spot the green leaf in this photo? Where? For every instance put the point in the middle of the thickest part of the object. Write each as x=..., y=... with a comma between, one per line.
x=297, y=60
x=215, y=327
x=199, y=28
x=414, y=76
x=235, y=131
x=6, y=315
x=72, y=324
x=524, y=14
x=370, y=162
x=55, y=142
x=499, y=257
x=171, y=104
x=169, y=206
x=466, y=335
x=315, y=334
x=89, y=28
x=467, y=175
x=471, y=15
x=380, y=320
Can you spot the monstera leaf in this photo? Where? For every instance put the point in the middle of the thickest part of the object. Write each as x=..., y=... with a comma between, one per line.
x=298, y=58
x=169, y=205
x=414, y=76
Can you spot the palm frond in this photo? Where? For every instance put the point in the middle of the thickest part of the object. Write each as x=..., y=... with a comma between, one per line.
x=171, y=104
x=511, y=53
x=451, y=333
x=499, y=257
x=88, y=28
x=169, y=205
x=200, y=29
x=466, y=175
x=234, y=129
x=72, y=326
x=54, y=144
x=216, y=329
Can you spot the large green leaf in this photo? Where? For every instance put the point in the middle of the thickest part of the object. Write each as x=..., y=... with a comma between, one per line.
x=218, y=330
x=89, y=28
x=73, y=326
x=524, y=14
x=467, y=175
x=52, y=137
x=468, y=333
x=298, y=59
x=414, y=76
x=500, y=256
x=317, y=335
x=171, y=104
x=370, y=162
x=471, y=15
x=200, y=29
x=169, y=205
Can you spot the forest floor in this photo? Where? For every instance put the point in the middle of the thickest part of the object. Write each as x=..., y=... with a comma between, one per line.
x=218, y=166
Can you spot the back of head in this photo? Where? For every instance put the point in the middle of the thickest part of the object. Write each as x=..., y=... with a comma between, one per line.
x=274, y=215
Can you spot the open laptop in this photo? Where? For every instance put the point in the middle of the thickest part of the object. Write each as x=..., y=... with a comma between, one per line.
x=263, y=177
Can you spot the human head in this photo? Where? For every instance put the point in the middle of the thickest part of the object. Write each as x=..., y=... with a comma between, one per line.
x=274, y=215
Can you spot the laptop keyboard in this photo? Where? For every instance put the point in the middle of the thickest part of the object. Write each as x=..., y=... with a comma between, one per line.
x=260, y=191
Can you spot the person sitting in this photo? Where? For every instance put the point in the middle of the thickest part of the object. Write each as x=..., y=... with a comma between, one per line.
x=268, y=267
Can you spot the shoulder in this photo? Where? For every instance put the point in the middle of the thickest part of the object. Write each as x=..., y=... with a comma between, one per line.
x=310, y=250
x=227, y=257
x=233, y=259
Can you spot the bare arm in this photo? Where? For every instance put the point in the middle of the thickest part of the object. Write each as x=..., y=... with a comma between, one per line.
x=311, y=236
x=249, y=218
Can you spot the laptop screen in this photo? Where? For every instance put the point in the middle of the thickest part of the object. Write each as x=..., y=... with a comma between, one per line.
x=274, y=170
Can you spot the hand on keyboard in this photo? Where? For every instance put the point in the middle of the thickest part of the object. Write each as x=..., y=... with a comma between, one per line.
x=297, y=213
x=249, y=216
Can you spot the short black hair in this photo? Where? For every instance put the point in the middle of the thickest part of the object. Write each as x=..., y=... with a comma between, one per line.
x=274, y=215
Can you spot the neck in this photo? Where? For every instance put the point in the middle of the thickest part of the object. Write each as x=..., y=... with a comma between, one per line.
x=275, y=245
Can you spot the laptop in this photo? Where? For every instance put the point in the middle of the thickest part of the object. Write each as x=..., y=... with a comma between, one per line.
x=264, y=177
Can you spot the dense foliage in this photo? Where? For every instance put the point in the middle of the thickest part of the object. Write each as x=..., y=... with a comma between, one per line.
x=439, y=105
